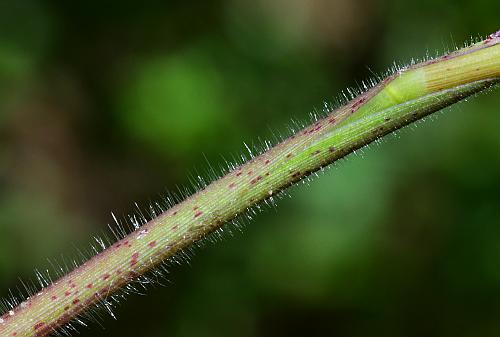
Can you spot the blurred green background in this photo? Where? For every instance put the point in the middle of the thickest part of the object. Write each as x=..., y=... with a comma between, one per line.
x=107, y=103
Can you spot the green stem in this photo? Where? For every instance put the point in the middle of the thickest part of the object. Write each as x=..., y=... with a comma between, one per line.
x=395, y=102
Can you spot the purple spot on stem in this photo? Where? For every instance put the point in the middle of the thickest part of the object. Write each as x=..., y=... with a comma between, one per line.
x=256, y=179
x=133, y=261
x=38, y=325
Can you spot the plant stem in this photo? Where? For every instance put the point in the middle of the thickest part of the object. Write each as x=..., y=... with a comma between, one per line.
x=398, y=100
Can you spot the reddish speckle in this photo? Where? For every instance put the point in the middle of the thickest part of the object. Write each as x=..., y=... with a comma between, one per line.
x=90, y=286
x=53, y=298
x=67, y=293
x=38, y=325
x=232, y=185
x=250, y=172
x=152, y=244
x=238, y=173
x=174, y=227
x=197, y=214
x=267, y=161
x=356, y=105
x=332, y=120
x=104, y=291
x=118, y=245
x=133, y=261
x=72, y=285
x=175, y=213
x=14, y=334
x=491, y=37
x=317, y=128
x=256, y=179
x=76, y=301
x=105, y=276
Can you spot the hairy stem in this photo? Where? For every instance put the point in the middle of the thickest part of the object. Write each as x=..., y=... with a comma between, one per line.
x=398, y=100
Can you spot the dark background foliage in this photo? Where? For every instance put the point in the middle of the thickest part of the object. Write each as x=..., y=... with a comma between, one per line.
x=107, y=103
